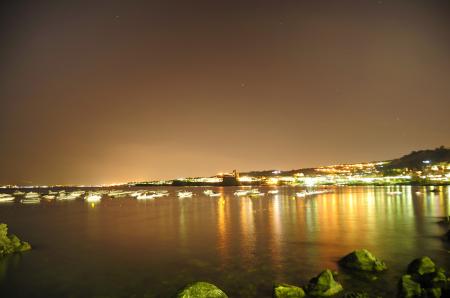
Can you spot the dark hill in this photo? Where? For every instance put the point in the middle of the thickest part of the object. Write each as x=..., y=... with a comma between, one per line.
x=415, y=160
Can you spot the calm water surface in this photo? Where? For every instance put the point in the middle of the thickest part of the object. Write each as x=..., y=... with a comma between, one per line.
x=129, y=248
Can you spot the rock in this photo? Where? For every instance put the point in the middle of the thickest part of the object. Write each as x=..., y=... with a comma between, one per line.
x=324, y=285
x=409, y=288
x=362, y=260
x=423, y=274
x=201, y=290
x=356, y=295
x=433, y=293
x=421, y=266
x=287, y=291
x=11, y=243
x=439, y=279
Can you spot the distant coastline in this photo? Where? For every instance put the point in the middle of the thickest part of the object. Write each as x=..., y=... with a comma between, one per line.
x=418, y=168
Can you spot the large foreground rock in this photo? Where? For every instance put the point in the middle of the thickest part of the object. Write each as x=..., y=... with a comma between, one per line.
x=424, y=279
x=421, y=266
x=362, y=260
x=409, y=288
x=201, y=290
x=287, y=291
x=324, y=285
x=10, y=243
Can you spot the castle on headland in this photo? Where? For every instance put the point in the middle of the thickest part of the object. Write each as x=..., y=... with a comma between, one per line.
x=230, y=179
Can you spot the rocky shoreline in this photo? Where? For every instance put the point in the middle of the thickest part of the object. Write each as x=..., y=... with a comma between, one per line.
x=422, y=279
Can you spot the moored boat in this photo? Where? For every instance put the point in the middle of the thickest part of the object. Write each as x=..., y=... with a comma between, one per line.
x=6, y=198
x=93, y=197
x=212, y=193
x=184, y=194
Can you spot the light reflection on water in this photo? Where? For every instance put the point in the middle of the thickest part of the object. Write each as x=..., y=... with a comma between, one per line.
x=124, y=247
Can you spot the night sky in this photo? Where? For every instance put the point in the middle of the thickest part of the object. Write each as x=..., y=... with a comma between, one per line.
x=116, y=91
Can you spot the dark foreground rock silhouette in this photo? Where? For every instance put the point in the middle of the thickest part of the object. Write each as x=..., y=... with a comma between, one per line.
x=424, y=279
x=10, y=244
x=324, y=285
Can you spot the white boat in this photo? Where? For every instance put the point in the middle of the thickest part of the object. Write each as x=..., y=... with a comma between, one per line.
x=305, y=193
x=273, y=191
x=241, y=192
x=118, y=194
x=34, y=200
x=18, y=193
x=394, y=193
x=49, y=197
x=6, y=198
x=212, y=193
x=146, y=196
x=68, y=197
x=255, y=193
x=136, y=193
x=301, y=194
x=77, y=193
x=184, y=194
x=160, y=194
x=31, y=195
x=93, y=198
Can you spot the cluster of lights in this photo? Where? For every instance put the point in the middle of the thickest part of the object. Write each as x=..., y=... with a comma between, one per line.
x=361, y=173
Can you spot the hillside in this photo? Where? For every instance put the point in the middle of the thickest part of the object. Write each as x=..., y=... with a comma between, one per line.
x=413, y=160
x=419, y=159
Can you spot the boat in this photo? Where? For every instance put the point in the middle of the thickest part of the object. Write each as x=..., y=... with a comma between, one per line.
x=49, y=197
x=63, y=196
x=33, y=200
x=31, y=195
x=184, y=194
x=77, y=193
x=306, y=193
x=136, y=193
x=301, y=194
x=273, y=191
x=146, y=196
x=118, y=194
x=18, y=193
x=93, y=197
x=241, y=193
x=394, y=193
x=212, y=193
x=255, y=193
x=6, y=198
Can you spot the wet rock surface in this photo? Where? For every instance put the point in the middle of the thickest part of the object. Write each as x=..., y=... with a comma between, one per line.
x=362, y=260
x=324, y=285
x=201, y=290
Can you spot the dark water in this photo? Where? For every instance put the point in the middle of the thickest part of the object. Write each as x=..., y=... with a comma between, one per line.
x=129, y=248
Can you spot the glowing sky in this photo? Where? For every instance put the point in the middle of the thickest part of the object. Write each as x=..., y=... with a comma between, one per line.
x=109, y=91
